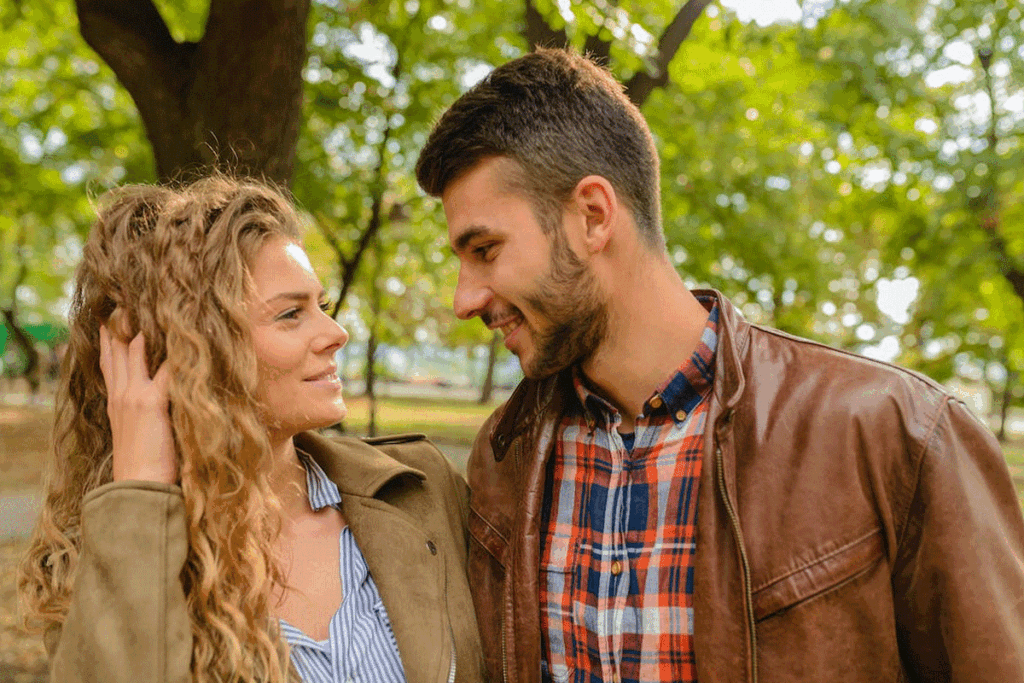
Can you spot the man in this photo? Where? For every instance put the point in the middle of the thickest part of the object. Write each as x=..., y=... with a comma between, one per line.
x=673, y=494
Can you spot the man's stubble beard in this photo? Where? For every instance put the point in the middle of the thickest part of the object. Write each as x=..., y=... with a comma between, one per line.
x=569, y=297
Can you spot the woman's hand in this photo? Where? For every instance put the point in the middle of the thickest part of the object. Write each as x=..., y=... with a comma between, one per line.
x=137, y=406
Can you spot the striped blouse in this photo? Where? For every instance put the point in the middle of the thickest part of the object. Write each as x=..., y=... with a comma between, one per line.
x=361, y=646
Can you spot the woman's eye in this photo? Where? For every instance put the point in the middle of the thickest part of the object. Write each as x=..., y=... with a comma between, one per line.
x=290, y=314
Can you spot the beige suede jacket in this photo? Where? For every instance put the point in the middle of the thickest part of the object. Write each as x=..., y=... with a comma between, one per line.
x=406, y=507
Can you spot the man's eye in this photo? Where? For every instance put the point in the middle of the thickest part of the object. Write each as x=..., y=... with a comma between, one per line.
x=484, y=252
x=326, y=306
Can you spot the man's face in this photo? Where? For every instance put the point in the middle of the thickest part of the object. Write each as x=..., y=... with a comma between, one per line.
x=516, y=278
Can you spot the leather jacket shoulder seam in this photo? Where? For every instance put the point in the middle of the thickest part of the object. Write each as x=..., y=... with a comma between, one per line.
x=919, y=457
x=913, y=376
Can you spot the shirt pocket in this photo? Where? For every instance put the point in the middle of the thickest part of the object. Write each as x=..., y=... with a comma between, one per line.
x=559, y=576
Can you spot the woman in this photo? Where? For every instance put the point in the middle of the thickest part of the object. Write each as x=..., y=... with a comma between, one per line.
x=195, y=528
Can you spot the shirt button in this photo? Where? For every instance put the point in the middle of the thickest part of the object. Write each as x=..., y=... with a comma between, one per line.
x=432, y=547
x=616, y=568
x=680, y=414
x=655, y=402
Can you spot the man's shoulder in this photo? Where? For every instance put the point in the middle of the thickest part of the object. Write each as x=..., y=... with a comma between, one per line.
x=825, y=378
x=807, y=355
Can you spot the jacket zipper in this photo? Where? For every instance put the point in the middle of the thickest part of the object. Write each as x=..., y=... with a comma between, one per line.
x=504, y=655
x=748, y=595
x=451, y=673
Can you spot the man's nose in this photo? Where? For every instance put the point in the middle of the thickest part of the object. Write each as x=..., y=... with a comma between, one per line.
x=471, y=296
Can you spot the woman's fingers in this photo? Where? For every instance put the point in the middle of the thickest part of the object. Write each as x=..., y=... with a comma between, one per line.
x=140, y=426
x=136, y=372
x=105, y=356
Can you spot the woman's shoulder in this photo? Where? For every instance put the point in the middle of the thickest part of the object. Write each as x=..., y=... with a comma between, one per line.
x=383, y=456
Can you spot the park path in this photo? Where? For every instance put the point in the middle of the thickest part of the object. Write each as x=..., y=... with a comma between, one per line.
x=18, y=509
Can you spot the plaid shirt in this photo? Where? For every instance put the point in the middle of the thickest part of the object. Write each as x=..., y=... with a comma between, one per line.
x=619, y=533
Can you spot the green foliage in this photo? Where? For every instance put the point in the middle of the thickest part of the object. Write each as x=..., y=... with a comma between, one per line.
x=66, y=130
x=805, y=167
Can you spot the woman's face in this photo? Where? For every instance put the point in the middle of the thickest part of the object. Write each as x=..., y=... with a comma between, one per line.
x=295, y=342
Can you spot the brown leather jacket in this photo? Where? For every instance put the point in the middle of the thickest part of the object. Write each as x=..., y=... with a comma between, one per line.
x=855, y=523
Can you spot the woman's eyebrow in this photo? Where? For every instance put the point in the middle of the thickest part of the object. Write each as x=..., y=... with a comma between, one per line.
x=295, y=296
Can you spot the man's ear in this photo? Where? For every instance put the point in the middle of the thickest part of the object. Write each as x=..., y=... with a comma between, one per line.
x=598, y=205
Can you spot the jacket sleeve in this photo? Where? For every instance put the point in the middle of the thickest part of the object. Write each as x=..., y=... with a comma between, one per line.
x=128, y=620
x=959, y=573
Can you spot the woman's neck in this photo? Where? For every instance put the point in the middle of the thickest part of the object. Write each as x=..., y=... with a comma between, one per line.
x=288, y=479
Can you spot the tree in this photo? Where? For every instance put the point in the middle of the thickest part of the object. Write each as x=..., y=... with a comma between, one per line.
x=64, y=128
x=232, y=99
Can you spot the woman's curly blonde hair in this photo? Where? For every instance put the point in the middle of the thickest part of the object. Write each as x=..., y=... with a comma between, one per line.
x=176, y=262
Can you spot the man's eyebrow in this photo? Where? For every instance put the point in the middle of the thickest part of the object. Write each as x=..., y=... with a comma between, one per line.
x=468, y=235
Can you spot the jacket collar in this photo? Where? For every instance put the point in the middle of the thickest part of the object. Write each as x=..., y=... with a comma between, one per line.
x=357, y=468
x=733, y=336
x=533, y=398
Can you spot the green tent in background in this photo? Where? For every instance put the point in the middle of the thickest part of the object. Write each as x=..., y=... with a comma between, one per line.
x=45, y=332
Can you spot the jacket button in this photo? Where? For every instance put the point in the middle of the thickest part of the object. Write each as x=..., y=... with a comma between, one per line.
x=432, y=547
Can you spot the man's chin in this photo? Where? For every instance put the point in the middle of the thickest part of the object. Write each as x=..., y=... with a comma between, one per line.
x=538, y=369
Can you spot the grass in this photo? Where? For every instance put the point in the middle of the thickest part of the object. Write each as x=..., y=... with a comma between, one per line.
x=25, y=430
x=452, y=421
x=24, y=445
x=1014, y=452
x=22, y=656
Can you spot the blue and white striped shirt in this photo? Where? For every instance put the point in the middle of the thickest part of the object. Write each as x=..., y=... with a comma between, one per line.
x=361, y=646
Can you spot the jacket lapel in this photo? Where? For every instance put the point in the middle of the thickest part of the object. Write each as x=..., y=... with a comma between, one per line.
x=410, y=582
x=409, y=576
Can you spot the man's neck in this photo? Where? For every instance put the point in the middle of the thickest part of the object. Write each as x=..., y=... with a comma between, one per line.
x=655, y=324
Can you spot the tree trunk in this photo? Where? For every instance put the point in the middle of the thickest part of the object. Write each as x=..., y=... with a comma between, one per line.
x=19, y=335
x=231, y=101
x=371, y=379
x=538, y=31
x=10, y=312
x=492, y=357
x=1004, y=408
x=371, y=344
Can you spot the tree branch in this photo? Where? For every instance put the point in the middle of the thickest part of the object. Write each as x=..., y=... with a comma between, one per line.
x=350, y=266
x=538, y=31
x=597, y=48
x=10, y=312
x=132, y=38
x=643, y=83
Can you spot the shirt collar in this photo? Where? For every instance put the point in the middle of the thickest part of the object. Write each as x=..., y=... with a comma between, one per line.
x=322, y=491
x=679, y=394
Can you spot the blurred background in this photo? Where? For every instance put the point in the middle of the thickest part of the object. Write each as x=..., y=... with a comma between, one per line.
x=845, y=170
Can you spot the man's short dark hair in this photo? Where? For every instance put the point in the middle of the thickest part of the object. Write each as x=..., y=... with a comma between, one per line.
x=560, y=117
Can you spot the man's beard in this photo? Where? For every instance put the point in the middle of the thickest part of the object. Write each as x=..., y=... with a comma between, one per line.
x=577, y=318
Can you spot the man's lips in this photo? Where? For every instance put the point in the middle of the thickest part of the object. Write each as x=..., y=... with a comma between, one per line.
x=507, y=326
